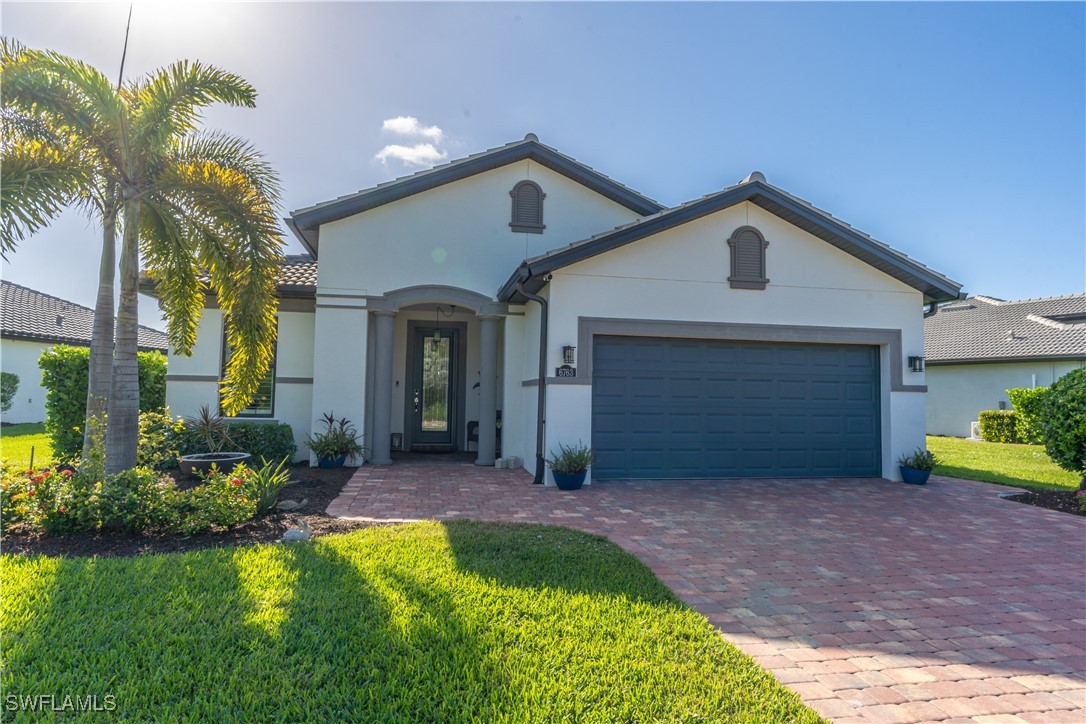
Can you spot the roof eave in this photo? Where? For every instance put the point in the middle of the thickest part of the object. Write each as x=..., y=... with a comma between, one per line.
x=306, y=223
x=1070, y=357
x=934, y=287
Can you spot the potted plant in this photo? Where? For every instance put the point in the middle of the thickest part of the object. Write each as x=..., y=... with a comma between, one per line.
x=916, y=468
x=338, y=440
x=570, y=465
x=214, y=432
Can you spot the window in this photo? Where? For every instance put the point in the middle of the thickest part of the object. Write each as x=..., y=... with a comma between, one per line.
x=527, y=208
x=263, y=404
x=748, y=259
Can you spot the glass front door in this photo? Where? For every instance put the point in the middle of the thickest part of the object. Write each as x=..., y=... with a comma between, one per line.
x=433, y=391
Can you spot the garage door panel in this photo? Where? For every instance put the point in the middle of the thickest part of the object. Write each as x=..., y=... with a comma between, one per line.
x=708, y=408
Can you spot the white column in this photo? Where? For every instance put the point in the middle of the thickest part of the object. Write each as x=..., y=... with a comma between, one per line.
x=488, y=387
x=339, y=379
x=381, y=441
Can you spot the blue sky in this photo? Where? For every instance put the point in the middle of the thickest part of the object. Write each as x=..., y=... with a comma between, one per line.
x=952, y=132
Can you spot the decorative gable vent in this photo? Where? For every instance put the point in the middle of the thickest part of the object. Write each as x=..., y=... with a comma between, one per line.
x=748, y=259
x=527, y=208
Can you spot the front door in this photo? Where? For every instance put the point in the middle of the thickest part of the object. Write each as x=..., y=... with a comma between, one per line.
x=433, y=392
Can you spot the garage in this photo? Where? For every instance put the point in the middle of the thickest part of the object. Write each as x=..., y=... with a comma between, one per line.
x=699, y=408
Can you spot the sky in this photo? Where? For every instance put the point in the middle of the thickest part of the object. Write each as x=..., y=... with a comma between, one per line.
x=955, y=132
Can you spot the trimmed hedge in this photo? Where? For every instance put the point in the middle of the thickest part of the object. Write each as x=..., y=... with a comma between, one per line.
x=65, y=371
x=1063, y=422
x=262, y=440
x=9, y=385
x=1028, y=406
x=998, y=426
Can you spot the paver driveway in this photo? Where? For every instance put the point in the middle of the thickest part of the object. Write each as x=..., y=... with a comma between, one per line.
x=875, y=601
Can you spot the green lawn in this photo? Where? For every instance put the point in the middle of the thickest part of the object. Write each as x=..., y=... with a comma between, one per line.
x=16, y=441
x=1024, y=466
x=427, y=622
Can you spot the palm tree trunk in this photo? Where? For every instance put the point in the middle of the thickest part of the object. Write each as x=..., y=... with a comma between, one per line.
x=124, y=392
x=101, y=346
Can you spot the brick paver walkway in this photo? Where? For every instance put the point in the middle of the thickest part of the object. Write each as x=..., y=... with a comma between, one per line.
x=874, y=600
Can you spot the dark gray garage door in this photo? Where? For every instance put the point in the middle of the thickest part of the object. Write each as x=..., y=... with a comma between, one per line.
x=689, y=408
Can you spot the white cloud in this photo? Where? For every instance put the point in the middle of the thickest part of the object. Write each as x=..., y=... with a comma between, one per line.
x=421, y=154
x=410, y=126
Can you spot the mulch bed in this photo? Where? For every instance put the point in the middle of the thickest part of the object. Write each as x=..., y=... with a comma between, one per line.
x=320, y=487
x=1064, y=502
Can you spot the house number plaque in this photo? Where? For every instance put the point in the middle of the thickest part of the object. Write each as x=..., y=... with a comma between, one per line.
x=565, y=371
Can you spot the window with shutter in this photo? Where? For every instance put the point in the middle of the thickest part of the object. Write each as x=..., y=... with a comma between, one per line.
x=748, y=259
x=527, y=208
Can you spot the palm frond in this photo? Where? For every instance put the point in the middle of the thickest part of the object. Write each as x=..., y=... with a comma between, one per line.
x=229, y=152
x=37, y=180
x=166, y=240
x=170, y=101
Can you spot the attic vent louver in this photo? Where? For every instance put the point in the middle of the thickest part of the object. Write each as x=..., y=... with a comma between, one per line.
x=748, y=259
x=527, y=208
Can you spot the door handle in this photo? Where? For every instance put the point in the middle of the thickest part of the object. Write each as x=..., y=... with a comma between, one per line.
x=416, y=400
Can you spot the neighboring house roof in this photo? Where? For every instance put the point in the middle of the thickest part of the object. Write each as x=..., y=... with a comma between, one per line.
x=297, y=274
x=936, y=287
x=305, y=223
x=985, y=329
x=30, y=315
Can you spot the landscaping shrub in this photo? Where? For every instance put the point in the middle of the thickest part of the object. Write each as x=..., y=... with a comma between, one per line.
x=157, y=447
x=998, y=426
x=9, y=385
x=1063, y=422
x=1028, y=406
x=273, y=442
x=62, y=500
x=64, y=376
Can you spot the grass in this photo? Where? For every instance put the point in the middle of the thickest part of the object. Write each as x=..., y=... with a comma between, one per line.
x=16, y=441
x=461, y=621
x=1023, y=466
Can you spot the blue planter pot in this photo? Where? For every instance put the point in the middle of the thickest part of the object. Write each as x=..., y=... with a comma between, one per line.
x=331, y=462
x=912, y=476
x=569, y=481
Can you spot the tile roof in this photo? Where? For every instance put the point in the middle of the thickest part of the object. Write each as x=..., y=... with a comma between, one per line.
x=987, y=329
x=31, y=315
x=305, y=223
x=757, y=190
x=297, y=270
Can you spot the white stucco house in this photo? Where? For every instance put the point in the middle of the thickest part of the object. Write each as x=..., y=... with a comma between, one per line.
x=980, y=347
x=742, y=334
x=32, y=322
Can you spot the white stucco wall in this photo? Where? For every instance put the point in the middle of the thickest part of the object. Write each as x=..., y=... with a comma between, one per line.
x=458, y=234
x=192, y=381
x=681, y=274
x=21, y=357
x=957, y=393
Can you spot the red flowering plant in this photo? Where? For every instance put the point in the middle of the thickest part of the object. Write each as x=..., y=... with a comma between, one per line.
x=49, y=499
x=221, y=500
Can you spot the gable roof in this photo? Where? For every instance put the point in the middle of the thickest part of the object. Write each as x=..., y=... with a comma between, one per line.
x=755, y=189
x=296, y=277
x=985, y=329
x=305, y=223
x=31, y=315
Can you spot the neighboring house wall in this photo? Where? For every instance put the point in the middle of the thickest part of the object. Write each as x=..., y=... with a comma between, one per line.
x=681, y=275
x=21, y=357
x=958, y=392
x=193, y=381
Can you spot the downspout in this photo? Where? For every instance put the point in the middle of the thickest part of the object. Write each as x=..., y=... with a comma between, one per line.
x=542, y=401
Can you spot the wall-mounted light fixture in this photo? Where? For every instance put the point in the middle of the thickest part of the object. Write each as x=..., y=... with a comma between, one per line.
x=916, y=364
x=568, y=354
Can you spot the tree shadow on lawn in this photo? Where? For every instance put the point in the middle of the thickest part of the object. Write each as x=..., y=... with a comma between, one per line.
x=270, y=633
x=428, y=622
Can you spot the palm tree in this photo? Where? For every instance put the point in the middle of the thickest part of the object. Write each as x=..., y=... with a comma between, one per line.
x=200, y=208
x=46, y=167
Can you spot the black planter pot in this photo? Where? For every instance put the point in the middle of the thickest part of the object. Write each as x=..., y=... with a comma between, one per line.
x=569, y=481
x=202, y=462
x=326, y=463
x=912, y=476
